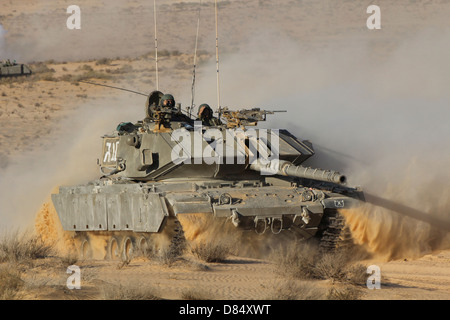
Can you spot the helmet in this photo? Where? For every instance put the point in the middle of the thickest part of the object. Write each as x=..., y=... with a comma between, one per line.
x=168, y=97
x=204, y=109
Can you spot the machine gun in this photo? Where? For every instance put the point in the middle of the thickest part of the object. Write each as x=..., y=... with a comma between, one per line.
x=244, y=117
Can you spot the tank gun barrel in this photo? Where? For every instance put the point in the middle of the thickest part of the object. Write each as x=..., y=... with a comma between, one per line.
x=286, y=168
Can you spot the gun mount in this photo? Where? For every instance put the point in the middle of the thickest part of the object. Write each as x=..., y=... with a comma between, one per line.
x=244, y=117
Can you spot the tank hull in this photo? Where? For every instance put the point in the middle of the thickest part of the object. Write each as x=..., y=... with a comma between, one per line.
x=15, y=70
x=258, y=205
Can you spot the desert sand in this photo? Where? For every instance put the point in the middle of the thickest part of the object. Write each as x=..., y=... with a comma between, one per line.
x=373, y=102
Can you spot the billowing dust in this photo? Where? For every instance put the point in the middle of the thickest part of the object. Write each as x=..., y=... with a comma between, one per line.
x=393, y=235
x=49, y=228
x=202, y=228
x=65, y=243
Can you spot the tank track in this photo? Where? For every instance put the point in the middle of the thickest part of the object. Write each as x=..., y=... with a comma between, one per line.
x=334, y=234
x=124, y=245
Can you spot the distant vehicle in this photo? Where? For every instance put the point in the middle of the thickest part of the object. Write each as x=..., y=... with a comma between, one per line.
x=13, y=69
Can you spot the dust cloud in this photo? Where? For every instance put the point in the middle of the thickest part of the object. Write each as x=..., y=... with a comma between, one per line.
x=381, y=120
x=69, y=158
x=203, y=228
x=107, y=30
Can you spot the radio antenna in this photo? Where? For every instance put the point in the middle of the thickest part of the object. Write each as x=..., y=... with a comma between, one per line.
x=156, y=46
x=195, y=60
x=104, y=85
x=217, y=56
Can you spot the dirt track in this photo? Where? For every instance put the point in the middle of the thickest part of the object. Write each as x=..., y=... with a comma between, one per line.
x=381, y=95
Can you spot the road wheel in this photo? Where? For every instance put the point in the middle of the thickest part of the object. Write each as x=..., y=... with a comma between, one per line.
x=85, y=248
x=113, y=249
x=142, y=245
x=128, y=248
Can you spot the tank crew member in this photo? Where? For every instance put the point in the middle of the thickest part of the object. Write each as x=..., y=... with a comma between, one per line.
x=168, y=100
x=205, y=114
x=166, y=104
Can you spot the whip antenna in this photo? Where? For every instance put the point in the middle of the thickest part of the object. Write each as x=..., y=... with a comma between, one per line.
x=195, y=60
x=123, y=89
x=217, y=57
x=156, y=46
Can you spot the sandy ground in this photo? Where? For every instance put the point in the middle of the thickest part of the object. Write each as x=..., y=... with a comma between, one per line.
x=309, y=52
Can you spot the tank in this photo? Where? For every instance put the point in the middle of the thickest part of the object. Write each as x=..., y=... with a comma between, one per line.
x=13, y=69
x=171, y=164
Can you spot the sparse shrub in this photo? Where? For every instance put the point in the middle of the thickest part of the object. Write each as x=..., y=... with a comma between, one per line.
x=10, y=282
x=195, y=294
x=297, y=261
x=357, y=274
x=213, y=251
x=69, y=258
x=85, y=67
x=332, y=266
x=126, y=68
x=167, y=253
x=344, y=293
x=292, y=290
x=168, y=256
x=308, y=262
x=119, y=292
x=15, y=247
x=103, y=61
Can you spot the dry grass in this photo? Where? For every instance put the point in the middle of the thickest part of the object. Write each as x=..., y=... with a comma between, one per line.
x=120, y=292
x=167, y=255
x=211, y=251
x=294, y=290
x=19, y=248
x=10, y=282
x=339, y=266
x=347, y=292
x=103, y=61
x=296, y=261
x=69, y=258
x=195, y=294
x=306, y=262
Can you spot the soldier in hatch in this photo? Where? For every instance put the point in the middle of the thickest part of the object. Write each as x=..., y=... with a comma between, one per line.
x=167, y=101
x=167, y=104
x=205, y=115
